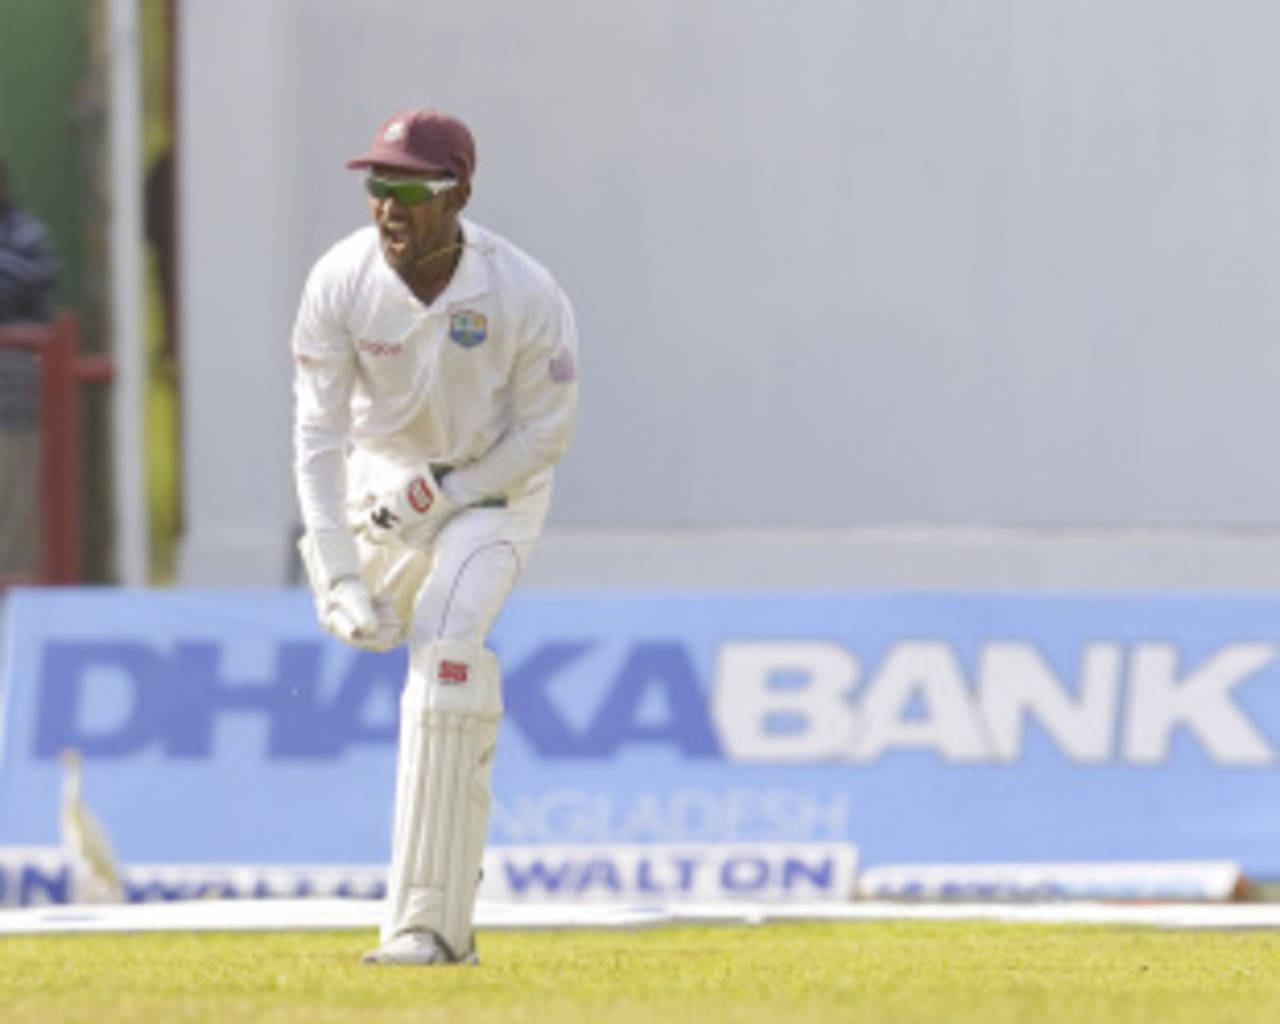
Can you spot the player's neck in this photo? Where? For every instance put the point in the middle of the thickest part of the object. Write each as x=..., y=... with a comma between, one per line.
x=429, y=275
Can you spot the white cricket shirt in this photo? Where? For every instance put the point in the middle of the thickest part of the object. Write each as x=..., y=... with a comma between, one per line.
x=483, y=379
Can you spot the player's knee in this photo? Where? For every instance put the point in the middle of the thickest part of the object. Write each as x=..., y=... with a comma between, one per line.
x=453, y=675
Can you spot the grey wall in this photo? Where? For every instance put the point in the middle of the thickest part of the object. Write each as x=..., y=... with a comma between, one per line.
x=837, y=264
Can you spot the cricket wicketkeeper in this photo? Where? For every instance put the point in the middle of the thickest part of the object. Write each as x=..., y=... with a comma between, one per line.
x=436, y=386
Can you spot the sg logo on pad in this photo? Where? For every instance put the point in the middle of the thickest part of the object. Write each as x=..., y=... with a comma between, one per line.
x=453, y=672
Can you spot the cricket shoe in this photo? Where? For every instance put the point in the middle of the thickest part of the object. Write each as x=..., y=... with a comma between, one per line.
x=422, y=948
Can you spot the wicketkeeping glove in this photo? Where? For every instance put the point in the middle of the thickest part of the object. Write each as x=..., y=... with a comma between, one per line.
x=413, y=511
x=343, y=603
x=350, y=614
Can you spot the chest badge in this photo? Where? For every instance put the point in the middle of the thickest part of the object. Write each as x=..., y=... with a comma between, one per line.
x=468, y=328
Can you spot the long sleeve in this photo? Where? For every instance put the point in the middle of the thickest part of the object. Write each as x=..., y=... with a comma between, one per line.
x=324, y=374
x=545, y=411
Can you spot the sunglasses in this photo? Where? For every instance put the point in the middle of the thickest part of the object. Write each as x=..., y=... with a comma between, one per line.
x=405, y=191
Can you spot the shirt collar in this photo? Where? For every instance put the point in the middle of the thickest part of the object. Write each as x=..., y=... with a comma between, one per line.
x=471, y=275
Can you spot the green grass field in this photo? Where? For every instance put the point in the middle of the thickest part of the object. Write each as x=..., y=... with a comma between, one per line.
x=866, y=972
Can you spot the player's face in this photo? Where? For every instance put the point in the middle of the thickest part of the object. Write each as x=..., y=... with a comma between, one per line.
x=414, y=225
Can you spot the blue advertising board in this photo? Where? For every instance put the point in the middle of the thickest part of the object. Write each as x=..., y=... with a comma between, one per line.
x=223, y=726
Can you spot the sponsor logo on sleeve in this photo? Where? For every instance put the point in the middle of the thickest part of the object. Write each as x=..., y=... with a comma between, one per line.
x=561, y=367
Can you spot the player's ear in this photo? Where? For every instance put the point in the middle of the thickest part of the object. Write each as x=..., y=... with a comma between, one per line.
x=456, y=198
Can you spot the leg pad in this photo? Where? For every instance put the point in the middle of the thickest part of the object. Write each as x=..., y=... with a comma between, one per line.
x=449, y=715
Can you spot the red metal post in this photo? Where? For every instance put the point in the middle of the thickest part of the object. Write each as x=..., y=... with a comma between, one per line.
x=62, y=370
x=60, y=443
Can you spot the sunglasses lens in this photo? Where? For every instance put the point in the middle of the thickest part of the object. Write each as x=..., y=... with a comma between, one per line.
x=410, y=193
x=407, y=193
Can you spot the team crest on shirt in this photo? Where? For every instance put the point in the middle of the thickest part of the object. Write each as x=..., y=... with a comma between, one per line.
x=468, y=328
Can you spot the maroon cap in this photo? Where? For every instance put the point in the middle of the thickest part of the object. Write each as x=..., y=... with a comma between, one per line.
x=422, y=140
